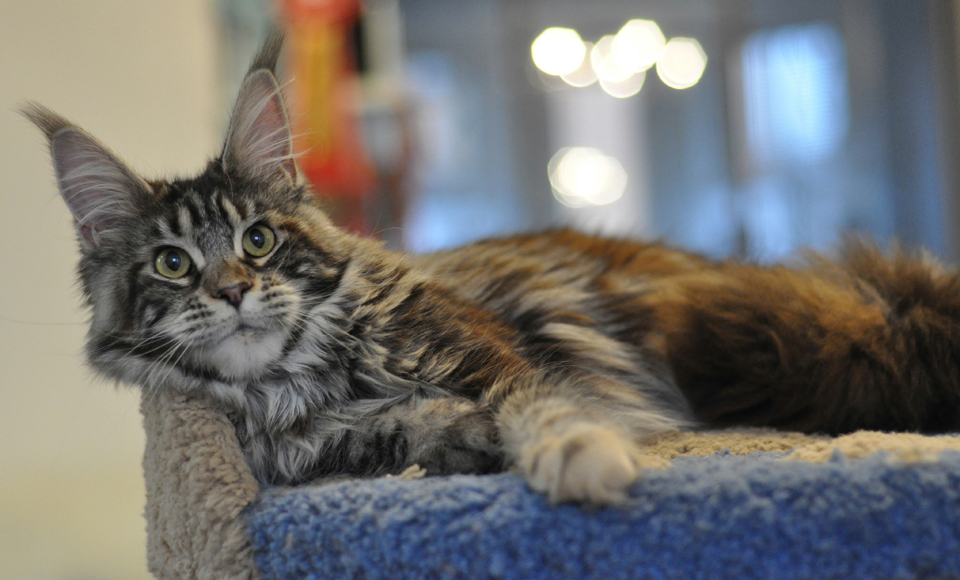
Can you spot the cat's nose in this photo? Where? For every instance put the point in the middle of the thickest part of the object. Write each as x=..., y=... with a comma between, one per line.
x=233, y=293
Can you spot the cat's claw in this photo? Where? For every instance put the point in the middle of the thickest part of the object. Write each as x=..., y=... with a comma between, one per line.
x=412, y=472
x=588, y=464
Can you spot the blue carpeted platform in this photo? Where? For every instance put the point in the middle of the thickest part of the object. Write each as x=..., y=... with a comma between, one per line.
x=719, y=517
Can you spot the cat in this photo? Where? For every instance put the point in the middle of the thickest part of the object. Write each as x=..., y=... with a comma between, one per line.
x=550, y=354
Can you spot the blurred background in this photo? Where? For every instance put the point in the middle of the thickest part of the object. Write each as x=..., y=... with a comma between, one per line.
x=744, y=128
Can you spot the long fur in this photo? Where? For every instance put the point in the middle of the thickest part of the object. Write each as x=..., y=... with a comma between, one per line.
x=548, y=353
x=866, y=342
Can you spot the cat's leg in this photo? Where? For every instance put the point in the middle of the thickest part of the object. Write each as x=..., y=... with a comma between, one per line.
x=573, y=443
x=372, y=438
x=442, y=435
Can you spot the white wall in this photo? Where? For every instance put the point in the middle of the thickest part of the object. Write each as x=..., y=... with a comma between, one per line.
x=141, y=76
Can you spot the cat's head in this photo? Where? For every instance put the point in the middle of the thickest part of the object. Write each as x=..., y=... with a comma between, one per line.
x=209, y=276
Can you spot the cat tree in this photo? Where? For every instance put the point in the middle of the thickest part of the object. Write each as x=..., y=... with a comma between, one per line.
x=735, y=505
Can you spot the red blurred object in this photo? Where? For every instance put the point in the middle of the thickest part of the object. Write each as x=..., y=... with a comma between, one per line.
x=324, y=98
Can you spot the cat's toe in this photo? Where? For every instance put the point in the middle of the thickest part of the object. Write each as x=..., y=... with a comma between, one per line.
x=589, y=463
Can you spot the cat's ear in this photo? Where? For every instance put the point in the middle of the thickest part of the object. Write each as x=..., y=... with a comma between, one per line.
x=259, y=142
x=98, y=188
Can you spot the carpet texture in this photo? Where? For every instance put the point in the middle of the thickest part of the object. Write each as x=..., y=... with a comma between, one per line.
x=197, y=488
x=733, y=504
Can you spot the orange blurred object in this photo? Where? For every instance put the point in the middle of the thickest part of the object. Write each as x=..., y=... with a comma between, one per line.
x=324, y=100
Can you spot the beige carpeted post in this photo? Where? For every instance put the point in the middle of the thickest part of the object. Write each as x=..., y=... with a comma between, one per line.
x=197, y=488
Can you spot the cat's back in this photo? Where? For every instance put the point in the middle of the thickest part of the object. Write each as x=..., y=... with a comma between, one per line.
x=555, y=259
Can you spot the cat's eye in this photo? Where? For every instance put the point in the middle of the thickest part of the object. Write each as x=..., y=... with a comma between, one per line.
x=259, y=240
x=172, y=263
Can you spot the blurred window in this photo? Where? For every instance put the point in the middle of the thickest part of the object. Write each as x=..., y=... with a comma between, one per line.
x=795, y=94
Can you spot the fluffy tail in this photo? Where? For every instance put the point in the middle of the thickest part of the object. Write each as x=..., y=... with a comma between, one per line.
x=866, y=342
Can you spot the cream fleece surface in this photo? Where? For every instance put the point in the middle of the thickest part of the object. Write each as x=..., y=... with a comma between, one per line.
x=198, y=483
x=197, y=487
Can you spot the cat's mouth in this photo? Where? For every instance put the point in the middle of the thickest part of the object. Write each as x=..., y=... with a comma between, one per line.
x=249, y=327
x=249, y=324
x=237, y=328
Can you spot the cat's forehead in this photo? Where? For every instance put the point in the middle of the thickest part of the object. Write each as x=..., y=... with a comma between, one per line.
x=205, y=210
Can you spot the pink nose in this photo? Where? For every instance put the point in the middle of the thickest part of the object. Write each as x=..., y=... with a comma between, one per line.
x=233, y=294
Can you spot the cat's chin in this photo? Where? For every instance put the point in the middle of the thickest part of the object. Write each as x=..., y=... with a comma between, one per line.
x=245, y=355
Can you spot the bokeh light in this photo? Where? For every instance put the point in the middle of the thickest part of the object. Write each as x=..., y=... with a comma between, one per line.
x=682, y=63
x=605, y=64
x=625, y=88
x=638, y=45
x=618, y=61
x=558, y=51
x=584, y=176
x=585, y=75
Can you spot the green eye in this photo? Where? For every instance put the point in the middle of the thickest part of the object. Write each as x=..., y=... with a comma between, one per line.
x=259, y=240
x=172, y=263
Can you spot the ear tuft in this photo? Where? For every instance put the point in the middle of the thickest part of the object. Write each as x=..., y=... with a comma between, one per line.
x=45, y=119
x=269, y=54
x=98, y=188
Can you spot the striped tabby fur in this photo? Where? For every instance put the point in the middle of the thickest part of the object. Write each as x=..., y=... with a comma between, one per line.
x=546, y=353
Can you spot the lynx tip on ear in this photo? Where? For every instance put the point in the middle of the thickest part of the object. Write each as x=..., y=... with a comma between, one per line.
x=45, y=119
x=269, y=53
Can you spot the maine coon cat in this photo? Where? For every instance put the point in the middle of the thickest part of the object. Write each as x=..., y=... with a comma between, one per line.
x=548, y=353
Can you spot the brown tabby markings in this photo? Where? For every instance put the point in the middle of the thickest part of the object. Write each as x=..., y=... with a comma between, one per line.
x=867, y=342
x=548, y=353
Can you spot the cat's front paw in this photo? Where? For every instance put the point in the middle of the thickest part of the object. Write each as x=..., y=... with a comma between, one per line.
x=588, y=463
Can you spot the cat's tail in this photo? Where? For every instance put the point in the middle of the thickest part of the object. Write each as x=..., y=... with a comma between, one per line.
x=866, y=342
